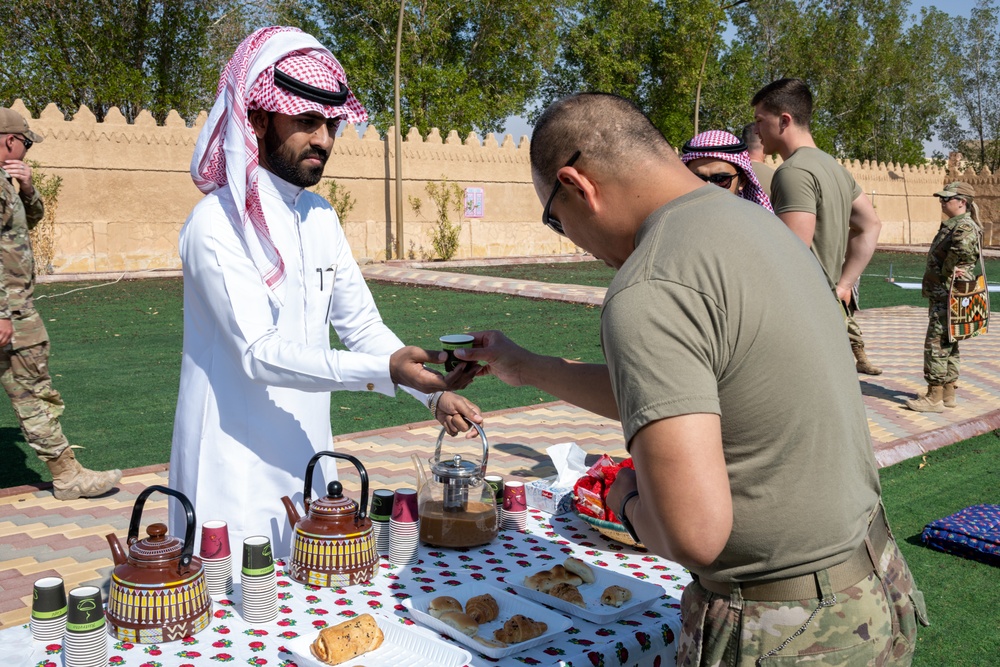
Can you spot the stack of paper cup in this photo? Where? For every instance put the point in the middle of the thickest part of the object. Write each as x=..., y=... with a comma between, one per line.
x=217, y=558
x=85, y=643
x=259, y=581
x=48, y=610
x=380, y=515
x=514, y=515
x=404, y=528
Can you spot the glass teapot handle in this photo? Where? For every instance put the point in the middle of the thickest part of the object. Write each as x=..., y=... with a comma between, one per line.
x=482, y=436
x=307, y=490
x=133, y=527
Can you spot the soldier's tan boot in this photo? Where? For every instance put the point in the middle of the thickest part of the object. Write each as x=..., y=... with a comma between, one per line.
x=948, y=397
x=932, y=401
x=862, y=364
x=70, y=480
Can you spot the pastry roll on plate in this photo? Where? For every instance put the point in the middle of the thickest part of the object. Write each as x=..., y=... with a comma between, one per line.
x=346, y=641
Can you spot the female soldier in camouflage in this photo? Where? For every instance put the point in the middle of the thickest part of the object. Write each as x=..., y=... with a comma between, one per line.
x=952, y=257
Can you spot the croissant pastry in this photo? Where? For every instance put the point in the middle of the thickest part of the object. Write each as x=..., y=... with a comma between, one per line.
x=520, y=629
x=482, y=608
x=615, y=596
x=346, y=641
x=569, y=593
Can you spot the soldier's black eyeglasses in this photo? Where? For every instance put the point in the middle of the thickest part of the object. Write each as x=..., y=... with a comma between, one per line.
x=945, y=200
x=28, y=143
x=547, y=219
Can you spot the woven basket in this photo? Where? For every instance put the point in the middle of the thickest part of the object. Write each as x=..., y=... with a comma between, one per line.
x=615, y=531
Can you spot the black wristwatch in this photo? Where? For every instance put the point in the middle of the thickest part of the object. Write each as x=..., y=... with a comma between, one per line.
x=624, y=517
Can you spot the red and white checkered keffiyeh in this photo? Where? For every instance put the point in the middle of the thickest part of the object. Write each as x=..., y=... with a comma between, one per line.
x=226, y=152
x=704, y=143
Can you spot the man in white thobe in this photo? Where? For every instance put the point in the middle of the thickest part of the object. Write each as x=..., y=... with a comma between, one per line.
x=267, y=272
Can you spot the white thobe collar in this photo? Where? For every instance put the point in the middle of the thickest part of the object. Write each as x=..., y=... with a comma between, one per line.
x=273, y=186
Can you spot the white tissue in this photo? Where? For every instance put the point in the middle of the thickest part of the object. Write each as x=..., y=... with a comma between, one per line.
x=570, y=462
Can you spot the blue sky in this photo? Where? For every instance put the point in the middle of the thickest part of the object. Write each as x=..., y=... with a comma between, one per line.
x=518, y=126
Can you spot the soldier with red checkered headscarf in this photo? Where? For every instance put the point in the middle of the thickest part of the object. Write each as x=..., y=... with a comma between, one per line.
x=267, y=272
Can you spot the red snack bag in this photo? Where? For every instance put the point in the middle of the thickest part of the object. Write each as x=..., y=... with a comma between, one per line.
x=591, y=490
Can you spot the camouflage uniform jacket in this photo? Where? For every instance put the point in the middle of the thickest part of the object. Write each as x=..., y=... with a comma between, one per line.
x=953, y=252
x=17, y=264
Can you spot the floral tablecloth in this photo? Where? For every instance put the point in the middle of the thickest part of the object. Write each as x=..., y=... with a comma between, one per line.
x=644, y=639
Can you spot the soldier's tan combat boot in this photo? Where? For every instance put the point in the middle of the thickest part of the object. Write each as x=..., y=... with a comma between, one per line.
x=862, y=363
x=932, y=401
x=949, y=395
x=70, y=480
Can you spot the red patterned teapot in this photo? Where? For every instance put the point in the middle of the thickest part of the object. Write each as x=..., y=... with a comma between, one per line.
x=333, y=545
x=158, y=591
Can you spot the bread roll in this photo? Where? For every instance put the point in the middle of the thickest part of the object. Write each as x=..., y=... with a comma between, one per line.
x=440, y=605
x=569, y=593
x=482, y=608
x=615, y=596
x=519, y=629
x=560, y=575
x=540, y=581
x=580, y=569
x=543, y=581
x=346, y=641
x=461, y=622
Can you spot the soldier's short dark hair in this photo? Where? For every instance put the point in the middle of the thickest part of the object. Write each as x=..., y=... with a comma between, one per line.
x=789, y=96
x=750, y=137
x=603, y=127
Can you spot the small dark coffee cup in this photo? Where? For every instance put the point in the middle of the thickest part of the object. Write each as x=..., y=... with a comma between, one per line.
x=48, y=599
x=258, y=559
x=452, y=342
x=382, y=504
x=86, y=611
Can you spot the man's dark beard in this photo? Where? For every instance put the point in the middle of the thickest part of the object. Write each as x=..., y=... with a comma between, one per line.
x=287, y=167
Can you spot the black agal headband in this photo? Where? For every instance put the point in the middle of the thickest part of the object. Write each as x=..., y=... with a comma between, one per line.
x=336, y=98
x=708, y=148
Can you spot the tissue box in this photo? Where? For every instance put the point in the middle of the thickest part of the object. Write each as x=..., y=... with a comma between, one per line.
x=543, y=495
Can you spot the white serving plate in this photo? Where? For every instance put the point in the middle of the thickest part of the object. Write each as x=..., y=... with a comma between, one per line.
x=403, y=646
x=509, y=606
x=644, y=594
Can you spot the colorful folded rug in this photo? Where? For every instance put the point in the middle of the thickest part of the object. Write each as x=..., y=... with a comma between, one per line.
x=973, y=533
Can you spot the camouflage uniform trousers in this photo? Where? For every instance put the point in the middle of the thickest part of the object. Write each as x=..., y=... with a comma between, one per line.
x=24, y=374
x=941, y=358
x=871, y=624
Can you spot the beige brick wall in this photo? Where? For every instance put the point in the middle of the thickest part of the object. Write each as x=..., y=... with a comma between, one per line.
x=126, y=191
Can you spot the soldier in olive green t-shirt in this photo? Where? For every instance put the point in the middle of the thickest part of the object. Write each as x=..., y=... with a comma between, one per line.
x=818, y=199
x=753, y=463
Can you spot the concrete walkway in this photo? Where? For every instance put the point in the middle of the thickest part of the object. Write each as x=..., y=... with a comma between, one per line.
x=40, y=536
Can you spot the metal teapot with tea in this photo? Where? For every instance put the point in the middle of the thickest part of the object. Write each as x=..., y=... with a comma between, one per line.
x=456, y=507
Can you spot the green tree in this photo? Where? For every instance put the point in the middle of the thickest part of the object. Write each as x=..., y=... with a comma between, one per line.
x=464, y=66
x=649, y=51
x=139, y=54
x=975, y=55
x=876, y=73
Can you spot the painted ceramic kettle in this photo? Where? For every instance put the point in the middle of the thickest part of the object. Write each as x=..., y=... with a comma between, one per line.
x=158, y=591
x=333, y=545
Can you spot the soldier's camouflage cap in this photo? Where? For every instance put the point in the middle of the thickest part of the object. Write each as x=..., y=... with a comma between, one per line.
x=957, y=189
x=11, y=122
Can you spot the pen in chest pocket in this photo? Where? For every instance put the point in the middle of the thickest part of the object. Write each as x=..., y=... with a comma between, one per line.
x=332, y=271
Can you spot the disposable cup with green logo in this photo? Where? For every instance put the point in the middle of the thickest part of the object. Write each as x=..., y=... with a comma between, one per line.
x=452, y=342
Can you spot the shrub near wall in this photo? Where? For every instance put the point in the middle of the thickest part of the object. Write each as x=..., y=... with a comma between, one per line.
x=127, y=191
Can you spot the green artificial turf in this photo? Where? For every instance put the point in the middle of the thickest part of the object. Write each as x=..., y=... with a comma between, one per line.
x=116, y=352
x=961, y=594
